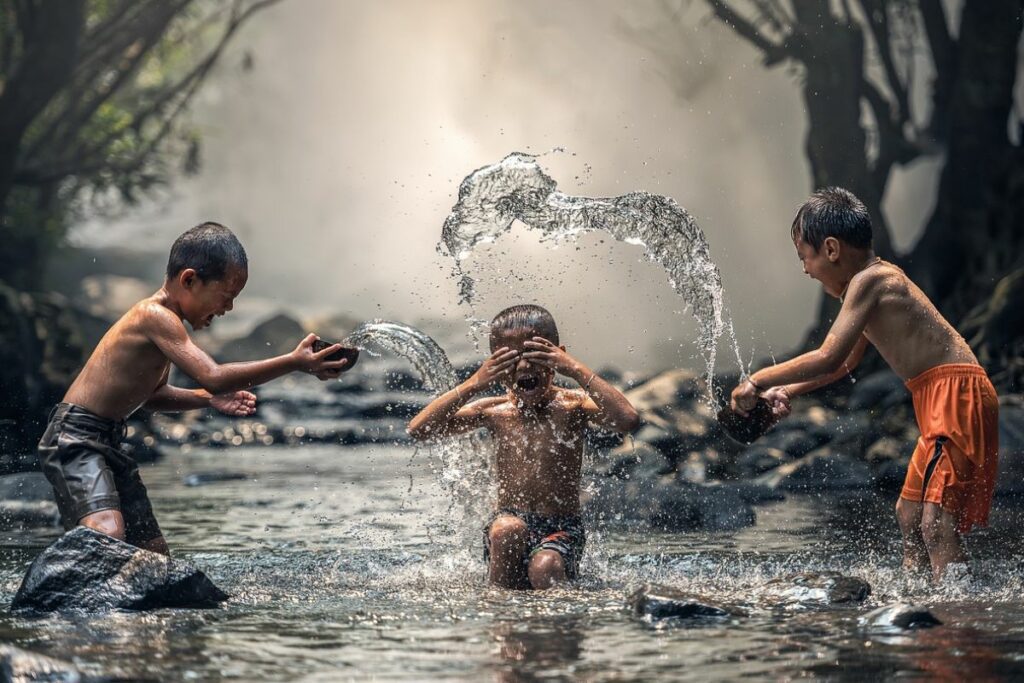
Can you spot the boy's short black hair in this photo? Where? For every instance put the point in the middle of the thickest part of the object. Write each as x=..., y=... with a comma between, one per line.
x=528, y=317
x=833, y=212
x=209, y=249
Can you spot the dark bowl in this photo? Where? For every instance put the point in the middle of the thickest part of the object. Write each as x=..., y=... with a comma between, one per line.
x=750, y=428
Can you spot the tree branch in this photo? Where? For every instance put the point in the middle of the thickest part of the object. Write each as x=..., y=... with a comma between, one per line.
x=773, y=52
x=878, y=23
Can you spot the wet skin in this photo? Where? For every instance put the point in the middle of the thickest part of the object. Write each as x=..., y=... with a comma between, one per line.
x=880, y=305
x=130, y=365
x=538, y=431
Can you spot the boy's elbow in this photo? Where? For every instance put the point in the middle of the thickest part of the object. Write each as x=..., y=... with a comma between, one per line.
x=630, y=422
x=828, y=363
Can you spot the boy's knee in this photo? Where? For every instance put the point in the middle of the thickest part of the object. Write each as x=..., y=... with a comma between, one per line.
x=109, y=522
x=546, y=568
x=507, y=530
x=908, y=514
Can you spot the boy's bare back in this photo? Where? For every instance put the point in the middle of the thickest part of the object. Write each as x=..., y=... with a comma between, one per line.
x=902, y=323
x=127, y=366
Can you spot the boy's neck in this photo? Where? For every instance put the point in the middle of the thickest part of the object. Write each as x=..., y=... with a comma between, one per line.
x=861, y=259
x=168, y=297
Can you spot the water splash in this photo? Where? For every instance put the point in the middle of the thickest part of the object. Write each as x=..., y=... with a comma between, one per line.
x=462, y=462
x=516, y=188
x=425, y=354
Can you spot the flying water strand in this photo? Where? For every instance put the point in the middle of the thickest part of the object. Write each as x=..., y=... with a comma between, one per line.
x=492, y=198
x=464, y=460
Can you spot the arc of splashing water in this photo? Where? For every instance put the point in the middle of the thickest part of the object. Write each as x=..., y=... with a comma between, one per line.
x=464, y=459
x=493, y=197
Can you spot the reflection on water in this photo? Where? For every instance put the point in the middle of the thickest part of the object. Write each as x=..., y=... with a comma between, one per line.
x=342, y=566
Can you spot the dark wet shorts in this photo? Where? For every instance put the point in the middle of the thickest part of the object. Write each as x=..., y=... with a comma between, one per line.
x=563, y=534
x=81, y=456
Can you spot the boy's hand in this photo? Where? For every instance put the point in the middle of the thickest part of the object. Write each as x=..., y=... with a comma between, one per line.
x=315, y=362
x=498, y=365
x=744, y=397
x=542, y=352
x=237, y=403
x=779, y=399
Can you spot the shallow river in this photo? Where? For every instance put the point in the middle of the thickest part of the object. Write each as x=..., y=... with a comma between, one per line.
x=344, y=564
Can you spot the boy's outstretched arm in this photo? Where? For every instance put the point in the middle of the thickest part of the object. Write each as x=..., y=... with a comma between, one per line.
x=604, y=405
x=851, y=362
x=846, y=332
x=448, y=414
x=168, y=333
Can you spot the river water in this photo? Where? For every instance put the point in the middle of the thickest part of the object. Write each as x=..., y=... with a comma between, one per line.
x=343, y=565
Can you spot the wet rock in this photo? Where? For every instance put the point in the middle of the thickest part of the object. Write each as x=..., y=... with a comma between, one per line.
x=818, y=588
x=276, y=335
x=89, y=571
x=655, y=602
x=669, y=388
x=637, y=461
x=22, y=666
x=27, y=514
x=889, y=458
x=759, y=459
x=753, y=493
x=899, y=616
x=684, y=506
x=109, y=296
x=878, y=391
x=212, y=477
x=821, y=470
x=794, y=443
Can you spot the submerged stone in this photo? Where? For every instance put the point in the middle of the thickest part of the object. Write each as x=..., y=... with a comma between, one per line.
x=212, y=476
x=657, y=602
x=819, y=588
x=899, y=616
x=89, y=571
x=20, y=665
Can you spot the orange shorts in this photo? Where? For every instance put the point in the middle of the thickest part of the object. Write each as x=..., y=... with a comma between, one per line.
x=955, y=462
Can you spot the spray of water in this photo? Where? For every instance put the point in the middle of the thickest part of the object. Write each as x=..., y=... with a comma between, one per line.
x=516, y=188
x=462, y=463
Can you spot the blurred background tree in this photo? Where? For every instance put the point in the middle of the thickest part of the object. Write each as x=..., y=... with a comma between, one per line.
x=859, y=64
x=92, y=101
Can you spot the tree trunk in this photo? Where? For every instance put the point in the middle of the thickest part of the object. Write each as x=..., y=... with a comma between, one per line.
x=966, y=247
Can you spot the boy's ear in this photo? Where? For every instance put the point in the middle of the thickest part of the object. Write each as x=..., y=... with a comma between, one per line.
x=562, y=347
x=188, y=278
x=831, y=247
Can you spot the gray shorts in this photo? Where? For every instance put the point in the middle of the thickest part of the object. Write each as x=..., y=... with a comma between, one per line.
x=81, y=456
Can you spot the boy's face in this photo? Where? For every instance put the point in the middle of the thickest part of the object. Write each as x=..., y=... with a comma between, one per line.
x=820, y=264
x=203, y=301
x=529, y=382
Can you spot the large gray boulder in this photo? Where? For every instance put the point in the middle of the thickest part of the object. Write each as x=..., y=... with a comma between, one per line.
x=666, y=503
x=89, y=571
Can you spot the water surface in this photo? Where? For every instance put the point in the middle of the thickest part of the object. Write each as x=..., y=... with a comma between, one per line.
x=344, y=565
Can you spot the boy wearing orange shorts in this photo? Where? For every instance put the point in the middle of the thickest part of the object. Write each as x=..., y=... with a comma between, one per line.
x=951, y=478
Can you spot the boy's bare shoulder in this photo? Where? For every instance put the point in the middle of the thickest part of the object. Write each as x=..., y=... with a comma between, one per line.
x=877, y=279
x=490, y=404
x=152, y=315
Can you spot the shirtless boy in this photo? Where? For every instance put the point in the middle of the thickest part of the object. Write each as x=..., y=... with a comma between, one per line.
x=535, y=537
x=95, y=483
x=951, y=478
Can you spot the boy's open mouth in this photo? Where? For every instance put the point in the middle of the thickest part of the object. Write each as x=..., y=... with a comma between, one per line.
x=527, y=384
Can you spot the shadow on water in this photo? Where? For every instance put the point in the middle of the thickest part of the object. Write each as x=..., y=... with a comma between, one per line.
x=342, y=566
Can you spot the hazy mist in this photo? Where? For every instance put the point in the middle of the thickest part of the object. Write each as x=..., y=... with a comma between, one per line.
x=337, y=158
